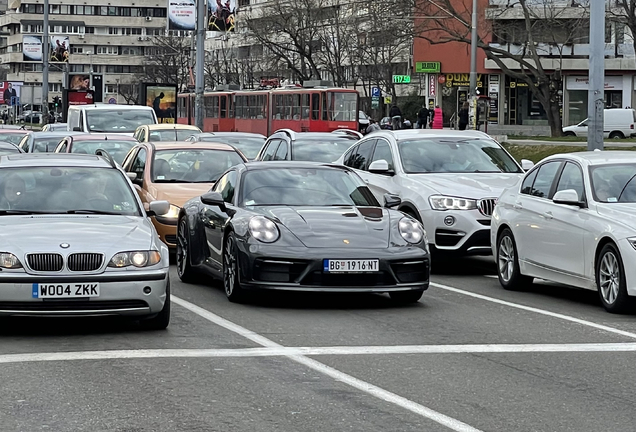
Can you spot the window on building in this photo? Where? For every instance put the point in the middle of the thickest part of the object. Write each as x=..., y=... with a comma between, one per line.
x=131, y=50
x=77, y=49
x=55, y=87
x=108, y=50
x=76, y=68
x=111, y=88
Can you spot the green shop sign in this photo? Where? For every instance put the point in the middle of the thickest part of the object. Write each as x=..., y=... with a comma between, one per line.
x=428, y=67
x=401, y=79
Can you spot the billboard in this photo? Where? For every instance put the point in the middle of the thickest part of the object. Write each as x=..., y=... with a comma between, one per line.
x=79, y=82
x=76, y=97
x=32, y=48
x=182, y=15
x=60, y=48
x=163, y=100
x=221, y=15
x=10, y=92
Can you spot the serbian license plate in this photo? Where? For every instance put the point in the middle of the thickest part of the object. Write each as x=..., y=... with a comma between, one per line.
x=351, y=266
x=65, y=290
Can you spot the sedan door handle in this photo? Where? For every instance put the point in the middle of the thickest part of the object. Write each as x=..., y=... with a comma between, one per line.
x=548, y=215
x=518, y=205
x=366, y=181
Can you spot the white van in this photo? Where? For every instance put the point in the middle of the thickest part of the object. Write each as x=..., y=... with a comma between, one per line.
x=109, y=118
x=618, y=124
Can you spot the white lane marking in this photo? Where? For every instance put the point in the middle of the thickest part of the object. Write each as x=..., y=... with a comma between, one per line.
x=537, y=310
x=342, y=377
x=314, y=351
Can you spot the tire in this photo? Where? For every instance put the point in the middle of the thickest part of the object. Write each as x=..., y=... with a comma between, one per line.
x=507, y=260
x=569, y=134
x=162, y=319
x=182, y=254
x=406, y=297
x=231, y=283
x=610, y=280
x=617, y=135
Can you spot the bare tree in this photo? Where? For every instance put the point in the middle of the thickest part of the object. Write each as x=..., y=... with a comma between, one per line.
x=168, y=61
x=130, y=92
x=531, y=40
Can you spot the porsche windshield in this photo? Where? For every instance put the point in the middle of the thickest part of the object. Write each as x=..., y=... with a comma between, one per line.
x=454, y=155
x=192, y=165
x=118, y=120
x=117, y=149
x=65, y=190
x=305, y=187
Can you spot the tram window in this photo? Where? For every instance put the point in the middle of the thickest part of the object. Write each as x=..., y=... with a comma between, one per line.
x=223, y=106
x=304, y=102
x=238, y=106
x=279, y=108
x=325, y=107
x=315, y=106
x=215, y=107
x=261, y=107
x=288, y=107
x=296, y=107
x=207, y=103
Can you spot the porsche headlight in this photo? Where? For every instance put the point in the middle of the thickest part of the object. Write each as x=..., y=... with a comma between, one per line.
x=9, y=261
x=441, y=202
x=263, y=229
x=411, y=230
x=135, y=258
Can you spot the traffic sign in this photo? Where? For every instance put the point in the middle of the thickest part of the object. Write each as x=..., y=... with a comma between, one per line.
x=112, y=100
x=376, y=92
x=387, y=100
x=375, y=103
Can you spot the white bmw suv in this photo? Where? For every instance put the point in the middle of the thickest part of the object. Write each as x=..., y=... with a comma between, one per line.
x=448, y=180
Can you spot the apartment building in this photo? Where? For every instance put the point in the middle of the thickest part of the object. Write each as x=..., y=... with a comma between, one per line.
x=110, y=36
x=563, y=47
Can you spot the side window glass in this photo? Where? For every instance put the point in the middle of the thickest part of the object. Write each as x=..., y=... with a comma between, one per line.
x=24, y=145
x=139, y=164
x=62, y=148
x=571, y=178
x=220, y=184
x=526, y=186
x=270, y=151
x=281, y=153
x=127, y=160
x=363, y=155
x=545, y=178
x=226, y=186
x=350, y=156
x=383, y=151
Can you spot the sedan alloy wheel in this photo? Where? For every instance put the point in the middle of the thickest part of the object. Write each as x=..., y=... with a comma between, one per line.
x=610, y=280
x=508, y=271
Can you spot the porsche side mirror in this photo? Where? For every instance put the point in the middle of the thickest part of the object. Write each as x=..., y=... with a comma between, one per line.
x=391, y=200
x=213, y=199
x=526, y=164
x=379, y=167
x=158, y=208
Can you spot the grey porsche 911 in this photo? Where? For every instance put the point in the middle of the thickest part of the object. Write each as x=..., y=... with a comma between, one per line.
x=303, y=227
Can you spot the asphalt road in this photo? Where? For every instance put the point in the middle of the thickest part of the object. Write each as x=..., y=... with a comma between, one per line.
x=469, y=356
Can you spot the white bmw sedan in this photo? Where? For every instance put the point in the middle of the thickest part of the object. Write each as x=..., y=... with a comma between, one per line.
x=572, y=221
x=448, y=180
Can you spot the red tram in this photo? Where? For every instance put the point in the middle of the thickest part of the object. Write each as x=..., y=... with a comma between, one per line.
x=265, y=111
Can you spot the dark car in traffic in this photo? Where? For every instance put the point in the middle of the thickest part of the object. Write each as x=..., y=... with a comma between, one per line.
x=302, y=227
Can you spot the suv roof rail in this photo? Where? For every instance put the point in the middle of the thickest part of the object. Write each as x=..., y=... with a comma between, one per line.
x=103, y=153
x=351, y=133
x=289, y=132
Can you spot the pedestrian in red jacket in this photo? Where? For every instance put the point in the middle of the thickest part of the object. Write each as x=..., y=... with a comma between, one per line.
x=438, y=119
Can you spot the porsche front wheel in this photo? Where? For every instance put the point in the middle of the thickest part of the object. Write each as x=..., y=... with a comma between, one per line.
x=233, y=290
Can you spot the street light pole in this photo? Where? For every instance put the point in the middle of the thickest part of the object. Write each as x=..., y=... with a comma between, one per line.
x=46, y=44
x=473, y=66
x=596, y=96
x=199, y=65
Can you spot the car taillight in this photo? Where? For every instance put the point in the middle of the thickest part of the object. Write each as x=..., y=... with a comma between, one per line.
x=631, y=126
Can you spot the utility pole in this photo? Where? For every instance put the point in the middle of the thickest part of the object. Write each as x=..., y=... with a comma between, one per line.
x=46, y=45
x=596, y=96
x=473, y=67
x=199, y=73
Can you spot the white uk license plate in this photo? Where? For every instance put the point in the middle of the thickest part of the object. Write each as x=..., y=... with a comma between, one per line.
x=351, y=266
x=65, y=290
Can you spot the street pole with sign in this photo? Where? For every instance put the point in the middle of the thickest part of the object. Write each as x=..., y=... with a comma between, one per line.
x=596, y=96
x=199, y=65
x=46, y=45
x=473, y=69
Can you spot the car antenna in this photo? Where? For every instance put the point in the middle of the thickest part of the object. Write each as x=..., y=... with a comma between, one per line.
x=105, y=154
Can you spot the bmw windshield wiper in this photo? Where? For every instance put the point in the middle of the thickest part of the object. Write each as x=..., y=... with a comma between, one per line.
x=87, y=211
x=23, y=212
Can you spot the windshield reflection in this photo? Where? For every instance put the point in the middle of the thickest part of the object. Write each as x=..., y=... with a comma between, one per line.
x=192, y=165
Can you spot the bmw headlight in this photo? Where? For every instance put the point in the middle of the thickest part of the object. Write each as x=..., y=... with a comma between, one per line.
x=263, y=229
x=441, y=202
x=411, y=230
x=9, y=261
x=135, y=258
